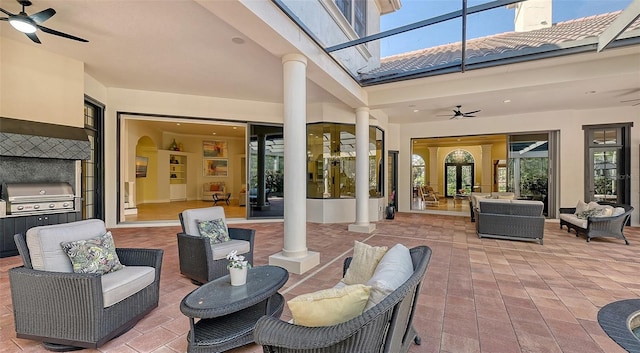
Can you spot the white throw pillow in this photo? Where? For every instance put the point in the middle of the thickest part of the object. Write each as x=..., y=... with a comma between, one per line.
x=364, y=262
x=392, y=271
x=581, y=207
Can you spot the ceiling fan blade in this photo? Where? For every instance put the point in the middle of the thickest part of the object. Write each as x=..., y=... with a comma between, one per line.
x=630, y=100
x=468, y=116
x=33, y=37
x=4, y=18
x=473, y=112
x=6, y=12
x=43, y=15
x=58, y=33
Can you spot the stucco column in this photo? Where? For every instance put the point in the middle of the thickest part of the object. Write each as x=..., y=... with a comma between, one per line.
x=487, y=169
x=362, y=173
x=433, y=169
x=294, y=256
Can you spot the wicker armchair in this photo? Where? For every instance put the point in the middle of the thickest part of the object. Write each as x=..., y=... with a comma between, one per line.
x=67, y=310
x=199, y=260
x=386, y=327
x=594, y=227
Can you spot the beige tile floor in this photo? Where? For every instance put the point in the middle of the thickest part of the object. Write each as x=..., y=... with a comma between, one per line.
x=479, y=295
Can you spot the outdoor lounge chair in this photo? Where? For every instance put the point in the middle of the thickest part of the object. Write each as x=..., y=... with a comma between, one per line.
x=66, y=310
x=199, y=259
x=386, y=327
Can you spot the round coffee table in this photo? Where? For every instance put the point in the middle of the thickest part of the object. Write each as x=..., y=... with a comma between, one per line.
x=227, y=313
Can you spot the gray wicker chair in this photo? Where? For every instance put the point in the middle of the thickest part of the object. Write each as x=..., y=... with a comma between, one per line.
x=599, y=226
x=197, y=259
x=66, y=311
x=387, y=327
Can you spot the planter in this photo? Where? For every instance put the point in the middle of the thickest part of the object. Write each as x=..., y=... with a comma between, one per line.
x=391, y=212
x=238, y=276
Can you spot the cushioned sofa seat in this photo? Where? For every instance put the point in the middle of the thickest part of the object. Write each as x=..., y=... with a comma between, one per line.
x=510, y=219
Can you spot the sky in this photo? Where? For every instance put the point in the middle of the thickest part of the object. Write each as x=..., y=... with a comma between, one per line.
x=490, y=22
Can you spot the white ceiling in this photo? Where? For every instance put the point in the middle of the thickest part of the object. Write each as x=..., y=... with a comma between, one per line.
x=179, y=46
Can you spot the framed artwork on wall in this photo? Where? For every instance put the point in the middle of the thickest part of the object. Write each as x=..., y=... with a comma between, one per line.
x=214, y=149
x=215, y=167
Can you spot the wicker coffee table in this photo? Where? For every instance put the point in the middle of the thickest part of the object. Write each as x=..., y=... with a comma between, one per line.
x=227, y=314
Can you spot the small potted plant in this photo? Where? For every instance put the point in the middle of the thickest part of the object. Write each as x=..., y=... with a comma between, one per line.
x=238, y=267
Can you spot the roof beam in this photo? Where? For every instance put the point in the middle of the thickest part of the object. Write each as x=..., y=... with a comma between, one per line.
x=423, y=23
x=619, y=25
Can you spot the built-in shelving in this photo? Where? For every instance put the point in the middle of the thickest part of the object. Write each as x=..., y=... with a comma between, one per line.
x=177, y=177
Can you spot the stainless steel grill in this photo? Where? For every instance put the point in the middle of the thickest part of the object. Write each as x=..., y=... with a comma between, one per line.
x=38, y=198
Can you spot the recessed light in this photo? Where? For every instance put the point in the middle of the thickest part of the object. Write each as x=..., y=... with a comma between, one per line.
x=416, y=110
x=178, y=124
x=213, y=133
x=235, y=127
x=507, y=101
x=237, y=40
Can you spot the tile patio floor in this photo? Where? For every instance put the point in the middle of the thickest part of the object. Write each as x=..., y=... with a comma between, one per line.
x=479, y=295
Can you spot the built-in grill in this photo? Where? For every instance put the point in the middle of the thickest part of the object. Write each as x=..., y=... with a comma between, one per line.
x=38, y=198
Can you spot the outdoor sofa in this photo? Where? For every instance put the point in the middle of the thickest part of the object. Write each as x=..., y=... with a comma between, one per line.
x=597, y=224
x=510, y=219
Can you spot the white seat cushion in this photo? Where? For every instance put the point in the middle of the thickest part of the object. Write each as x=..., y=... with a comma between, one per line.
x=573, y=219
x=123, y=283
x=221, y=250
x=44, y=243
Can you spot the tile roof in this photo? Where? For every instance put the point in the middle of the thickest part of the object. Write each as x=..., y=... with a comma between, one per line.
x=497, y=46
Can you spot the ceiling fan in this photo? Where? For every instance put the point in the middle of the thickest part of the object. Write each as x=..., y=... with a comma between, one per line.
x=29, y=24
x=457, y=113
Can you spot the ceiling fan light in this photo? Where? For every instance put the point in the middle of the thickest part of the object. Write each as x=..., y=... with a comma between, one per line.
x=23, y=25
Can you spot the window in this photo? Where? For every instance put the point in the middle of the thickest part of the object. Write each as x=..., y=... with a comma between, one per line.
x=607, y=164
x=92, y=184
x=331, y=161
x=355, y=11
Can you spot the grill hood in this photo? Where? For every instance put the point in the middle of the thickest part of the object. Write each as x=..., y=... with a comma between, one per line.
x=22, y=138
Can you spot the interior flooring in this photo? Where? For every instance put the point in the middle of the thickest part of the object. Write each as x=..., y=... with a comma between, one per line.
x=168, y=211
x=478, y=296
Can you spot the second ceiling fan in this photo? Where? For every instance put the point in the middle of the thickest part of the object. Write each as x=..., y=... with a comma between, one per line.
x=457, y=113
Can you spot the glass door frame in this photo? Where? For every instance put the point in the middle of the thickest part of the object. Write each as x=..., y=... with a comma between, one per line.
x=459, y=177
x=260, y=202
x=623, y=144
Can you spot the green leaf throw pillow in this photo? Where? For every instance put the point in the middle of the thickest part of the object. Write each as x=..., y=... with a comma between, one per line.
x=215, y=229
x=94, y=255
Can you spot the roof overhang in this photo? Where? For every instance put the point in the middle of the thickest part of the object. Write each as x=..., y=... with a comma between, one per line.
x=388, y=6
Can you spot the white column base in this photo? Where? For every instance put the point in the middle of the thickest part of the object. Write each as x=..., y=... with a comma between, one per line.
x=362, y=228
x=297, y=265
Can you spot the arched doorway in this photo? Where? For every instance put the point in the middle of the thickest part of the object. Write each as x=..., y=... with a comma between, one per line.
x=459, y=172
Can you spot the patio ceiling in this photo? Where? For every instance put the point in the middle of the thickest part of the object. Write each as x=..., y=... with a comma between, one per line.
x=182, y=47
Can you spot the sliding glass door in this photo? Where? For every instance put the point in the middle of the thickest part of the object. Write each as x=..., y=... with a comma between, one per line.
x=531, y=159
x=265, y=196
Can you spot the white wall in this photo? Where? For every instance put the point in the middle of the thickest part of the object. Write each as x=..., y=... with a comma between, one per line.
x=38, y=85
